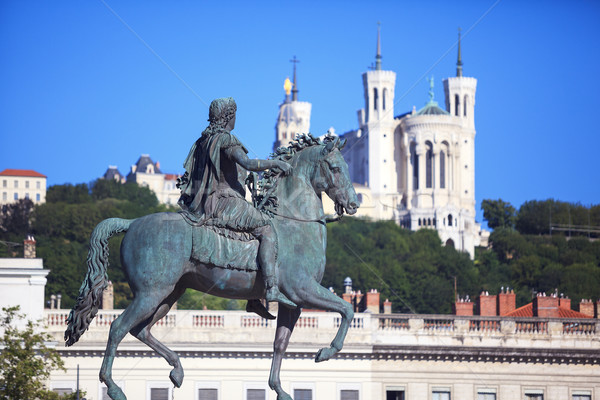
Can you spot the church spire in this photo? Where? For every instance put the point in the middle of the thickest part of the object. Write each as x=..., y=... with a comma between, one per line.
x=459, y=63
x=378, y=56
x=295, y=86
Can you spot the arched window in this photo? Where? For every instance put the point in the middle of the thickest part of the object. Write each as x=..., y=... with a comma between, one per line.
x=456, y=105
x=419, y=220
x=442, y=169
x=384, y=97
x=429, y=166
x=465, y=105
x=415, y=165
x=428, y=221
x=375, y=98
x=450, y=243
x=449, y=219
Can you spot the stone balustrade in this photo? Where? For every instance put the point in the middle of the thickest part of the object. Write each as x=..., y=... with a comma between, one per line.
x=366, y=329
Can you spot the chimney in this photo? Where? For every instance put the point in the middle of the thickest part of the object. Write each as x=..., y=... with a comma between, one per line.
x=387, y=307
x=108, y=297
x=586, y=307
x=463, y=307
x=564, y=302
x=373, y=301
x=29, y=247
x=507, y=301
x=358, y=301
x=545, y=306
x=486, y=305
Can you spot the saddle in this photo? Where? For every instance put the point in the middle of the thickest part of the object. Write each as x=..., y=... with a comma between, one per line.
x=224, y=248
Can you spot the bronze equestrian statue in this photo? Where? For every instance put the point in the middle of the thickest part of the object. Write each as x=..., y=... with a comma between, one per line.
x=222, y=245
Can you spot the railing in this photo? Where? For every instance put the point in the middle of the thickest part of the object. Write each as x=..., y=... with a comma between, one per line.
x=449, y=326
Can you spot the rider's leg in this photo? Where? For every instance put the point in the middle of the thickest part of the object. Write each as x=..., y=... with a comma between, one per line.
x=267, y=257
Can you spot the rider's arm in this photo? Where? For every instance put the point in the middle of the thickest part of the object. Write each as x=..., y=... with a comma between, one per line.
x=238, y=155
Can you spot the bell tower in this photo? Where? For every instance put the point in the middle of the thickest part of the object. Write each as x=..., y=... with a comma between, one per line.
x=294, y=115
x=377, y=121
x=460, y=103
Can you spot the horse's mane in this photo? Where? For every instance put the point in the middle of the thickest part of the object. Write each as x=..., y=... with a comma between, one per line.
x=265, y=187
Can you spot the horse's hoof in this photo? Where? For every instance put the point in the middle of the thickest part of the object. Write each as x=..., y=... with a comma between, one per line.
x=325, y=354
x=115, y=393
x=284, y=396
x=176, y=376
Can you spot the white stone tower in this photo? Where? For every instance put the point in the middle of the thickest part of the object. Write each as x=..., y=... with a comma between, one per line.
x=460, y=103
x=377, y=122
x=294, y=115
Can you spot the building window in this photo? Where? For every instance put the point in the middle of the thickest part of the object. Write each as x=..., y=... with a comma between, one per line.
x=4, y=183
x=394, y=395
x=16, y=184
x=4, y=196
x=534, y=395
x=26, y=184
x=348, y=394
x=486, y=394
x=384, y=96
x=37, y=185
x=37, y=197
x=16, y=196
x=208, y=394
x=465, y=105
x=429, y=166
x=449, y=219
x=442, y=169
x=375, y=98
x=256, y=394
x=62, y=391
x=580, y=395
x=27, y=196
x=441, y=394
x=456, y=105
x=159, y=394
x=303, y=394
x=415, y=165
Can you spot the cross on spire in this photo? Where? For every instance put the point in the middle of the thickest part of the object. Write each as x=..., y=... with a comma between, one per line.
x=295, y=86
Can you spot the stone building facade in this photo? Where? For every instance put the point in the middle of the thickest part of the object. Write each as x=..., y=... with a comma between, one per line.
x=17, y=184
x=419, y=166
x=146, y=172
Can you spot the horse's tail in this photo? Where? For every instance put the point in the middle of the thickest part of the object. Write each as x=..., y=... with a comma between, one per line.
x=90, y=292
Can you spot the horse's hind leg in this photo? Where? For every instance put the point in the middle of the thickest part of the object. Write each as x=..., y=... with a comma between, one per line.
x=142, y=332
x=319, y=297
x=138, y=311
x=286, y=320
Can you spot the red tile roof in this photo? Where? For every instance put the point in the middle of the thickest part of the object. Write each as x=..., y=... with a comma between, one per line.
x=22, y=172
x=527, y=311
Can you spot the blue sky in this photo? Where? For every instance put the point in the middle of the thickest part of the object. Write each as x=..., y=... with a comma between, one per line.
x=87, y=84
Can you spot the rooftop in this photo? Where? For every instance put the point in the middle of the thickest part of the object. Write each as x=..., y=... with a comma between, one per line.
x=22, y=172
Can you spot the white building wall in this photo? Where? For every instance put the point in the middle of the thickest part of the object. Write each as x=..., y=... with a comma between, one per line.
x=14, y=188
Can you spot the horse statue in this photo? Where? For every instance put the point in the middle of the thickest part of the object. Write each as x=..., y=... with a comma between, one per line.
x=163, y=255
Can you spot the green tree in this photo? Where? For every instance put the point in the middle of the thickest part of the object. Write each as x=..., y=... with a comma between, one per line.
x=25, y=360
x=68, y=193
x=15, y=218
x=498, y=213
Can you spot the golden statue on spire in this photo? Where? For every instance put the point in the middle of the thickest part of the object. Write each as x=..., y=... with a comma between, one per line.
x=287, y=86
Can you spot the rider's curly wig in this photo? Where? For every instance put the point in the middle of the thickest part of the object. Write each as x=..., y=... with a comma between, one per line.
x=221, y=111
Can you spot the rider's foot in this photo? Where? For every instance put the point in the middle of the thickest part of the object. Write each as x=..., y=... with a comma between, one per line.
x=273, y=294
x=257, y=307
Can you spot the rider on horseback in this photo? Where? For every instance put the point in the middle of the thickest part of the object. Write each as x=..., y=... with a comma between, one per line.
x=212, y=189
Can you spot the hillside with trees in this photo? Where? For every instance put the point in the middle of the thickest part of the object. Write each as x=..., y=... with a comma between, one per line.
x=544, y=246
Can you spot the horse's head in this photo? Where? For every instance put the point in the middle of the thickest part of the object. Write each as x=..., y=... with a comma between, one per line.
x=332, y=177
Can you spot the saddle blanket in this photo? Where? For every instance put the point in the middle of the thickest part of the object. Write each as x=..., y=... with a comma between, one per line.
x=223, y=248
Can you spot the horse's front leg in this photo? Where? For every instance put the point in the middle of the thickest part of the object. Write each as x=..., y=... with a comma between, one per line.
x=321, y=298
x=286, y=320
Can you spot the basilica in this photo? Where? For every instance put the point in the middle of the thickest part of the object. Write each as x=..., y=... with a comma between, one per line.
x=416, y=168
